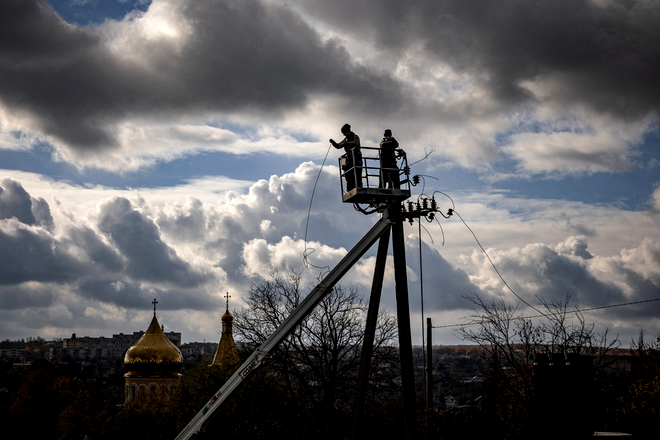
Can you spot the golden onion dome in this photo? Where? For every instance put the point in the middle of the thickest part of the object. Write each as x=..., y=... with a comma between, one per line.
x=153, y=351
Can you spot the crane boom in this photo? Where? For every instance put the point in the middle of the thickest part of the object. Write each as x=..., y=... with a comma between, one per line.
x=198, y=423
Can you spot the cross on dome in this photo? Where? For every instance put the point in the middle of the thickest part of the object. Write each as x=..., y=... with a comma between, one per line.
x=227, y=296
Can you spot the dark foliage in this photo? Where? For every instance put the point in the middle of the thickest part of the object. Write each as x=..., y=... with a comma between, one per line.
x=520, y=394
x=288, y=397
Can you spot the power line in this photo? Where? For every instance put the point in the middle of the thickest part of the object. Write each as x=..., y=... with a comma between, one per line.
x=540, y=313
x=494, y=267
x=308, y=251
x=590, y=309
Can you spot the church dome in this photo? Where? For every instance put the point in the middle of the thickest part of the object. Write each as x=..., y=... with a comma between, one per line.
x=226, y=355
x=153, y=352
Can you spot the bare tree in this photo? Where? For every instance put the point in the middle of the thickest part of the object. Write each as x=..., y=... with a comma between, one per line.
x=319, y=361
x=512, y=343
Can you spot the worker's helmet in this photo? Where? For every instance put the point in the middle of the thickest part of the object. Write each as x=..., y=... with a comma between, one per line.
x=345, y=128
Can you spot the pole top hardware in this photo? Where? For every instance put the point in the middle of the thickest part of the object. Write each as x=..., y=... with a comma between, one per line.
x=425, y=207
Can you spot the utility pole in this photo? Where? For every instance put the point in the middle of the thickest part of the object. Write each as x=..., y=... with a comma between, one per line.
x=370, y=333
x=403, y=320
x=429, y=368
x=388, y=202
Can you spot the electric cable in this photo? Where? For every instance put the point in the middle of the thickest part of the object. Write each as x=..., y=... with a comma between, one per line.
x=441, y=229
x=424, y=184
x=428, y=233
x=357, y=207
x=590, y=309
x=540, y=313
x=426, y=155
x=308, y=251
x=494, y=267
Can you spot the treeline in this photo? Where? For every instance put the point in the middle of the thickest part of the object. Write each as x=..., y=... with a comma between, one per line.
x=52, y=401
x=33, y=347
x=49, y=401
x=558, y=375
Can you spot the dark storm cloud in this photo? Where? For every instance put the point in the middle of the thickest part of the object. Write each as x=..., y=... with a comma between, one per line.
x=445, y=286
x=32, y=33
x=560, y=275
x=643, y=289
x=112, y=291
x=239, y=56
x=15, y=202
x=32, y=254
x=537, y=270
x=229, y=248
x=639, y=269
x=249, y=54
x=35, y=264
x=52, y=71
x=98, y=252
x=31, y=258
x=605, y=57
x=132, y=295
x=41, y=212
x=138, y=238
x=21, y=296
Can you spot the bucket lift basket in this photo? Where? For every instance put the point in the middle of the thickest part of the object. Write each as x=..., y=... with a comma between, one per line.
x=372, y=183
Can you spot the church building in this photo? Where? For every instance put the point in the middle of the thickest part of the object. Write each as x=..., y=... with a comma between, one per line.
x=152, y=364
x=226, y=356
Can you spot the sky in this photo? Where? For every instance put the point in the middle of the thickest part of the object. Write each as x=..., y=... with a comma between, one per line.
x=179, y=150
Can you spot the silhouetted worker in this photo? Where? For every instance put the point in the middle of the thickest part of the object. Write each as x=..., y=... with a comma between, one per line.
x=352, y=160
x=389, y=171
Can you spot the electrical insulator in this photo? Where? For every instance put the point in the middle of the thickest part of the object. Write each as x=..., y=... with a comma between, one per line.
x=415, y=180
x=434, y=205
x=425, y=204
x=410, y=206
x=406, y=170
x=431, y=216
